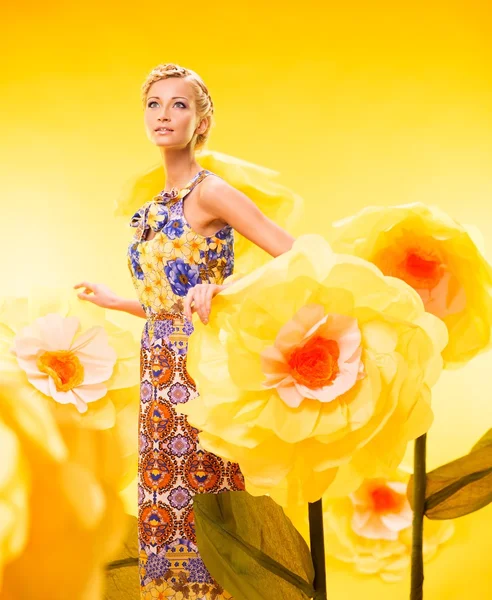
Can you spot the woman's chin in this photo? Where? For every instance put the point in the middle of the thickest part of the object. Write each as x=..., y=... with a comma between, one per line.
x=167, y=143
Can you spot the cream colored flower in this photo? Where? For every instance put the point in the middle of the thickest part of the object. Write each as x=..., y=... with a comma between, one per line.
x=70, y=368
x=381, y=509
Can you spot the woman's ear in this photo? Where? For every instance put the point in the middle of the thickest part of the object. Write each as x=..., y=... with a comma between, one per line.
x=202, y=127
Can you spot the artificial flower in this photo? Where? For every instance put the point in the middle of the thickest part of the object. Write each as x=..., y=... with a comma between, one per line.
x=313, y=368
x=435, y=255
x=372, y=528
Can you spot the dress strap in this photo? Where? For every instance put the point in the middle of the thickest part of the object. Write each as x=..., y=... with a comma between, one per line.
x=174, y=195
x=200, y=176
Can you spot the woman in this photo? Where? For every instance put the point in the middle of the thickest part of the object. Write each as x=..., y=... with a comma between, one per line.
x=178, y=260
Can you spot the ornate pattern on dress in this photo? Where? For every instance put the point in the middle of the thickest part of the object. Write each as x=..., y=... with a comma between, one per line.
x=172, y=465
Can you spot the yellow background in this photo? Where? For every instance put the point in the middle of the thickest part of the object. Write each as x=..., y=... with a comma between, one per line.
x=354, y=103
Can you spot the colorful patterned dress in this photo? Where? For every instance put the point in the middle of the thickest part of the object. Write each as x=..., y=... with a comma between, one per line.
x=172, y=466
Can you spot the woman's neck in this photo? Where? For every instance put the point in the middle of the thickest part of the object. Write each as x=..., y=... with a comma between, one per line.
x=179, y=167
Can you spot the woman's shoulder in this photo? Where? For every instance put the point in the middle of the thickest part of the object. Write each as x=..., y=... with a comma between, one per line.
x=214, y=188
x=214, y=183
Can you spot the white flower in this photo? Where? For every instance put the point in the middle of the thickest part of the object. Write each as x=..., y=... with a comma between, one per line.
x=70, y=369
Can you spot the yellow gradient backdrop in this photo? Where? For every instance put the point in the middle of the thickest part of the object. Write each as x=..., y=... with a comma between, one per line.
x=354, y=103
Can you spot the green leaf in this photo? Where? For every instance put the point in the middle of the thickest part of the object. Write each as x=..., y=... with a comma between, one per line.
x=122, y=580
x=462, y=486
x=251, y=548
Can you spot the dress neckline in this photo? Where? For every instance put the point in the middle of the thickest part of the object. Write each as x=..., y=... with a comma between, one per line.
x=174, y=196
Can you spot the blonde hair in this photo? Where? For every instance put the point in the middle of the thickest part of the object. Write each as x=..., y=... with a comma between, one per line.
x=204, y=104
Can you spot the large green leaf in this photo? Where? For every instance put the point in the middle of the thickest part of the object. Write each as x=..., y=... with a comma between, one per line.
x=251, y=548
x=462, y=486
x=122, y=581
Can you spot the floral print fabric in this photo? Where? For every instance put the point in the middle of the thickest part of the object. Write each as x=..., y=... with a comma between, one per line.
x=172, y=465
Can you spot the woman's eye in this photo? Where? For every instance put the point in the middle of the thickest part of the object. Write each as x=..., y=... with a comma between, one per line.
x=182, y=104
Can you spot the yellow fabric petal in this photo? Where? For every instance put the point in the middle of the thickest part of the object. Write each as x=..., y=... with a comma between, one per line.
x=14, y=497
x=30, y=411
x=289, y=424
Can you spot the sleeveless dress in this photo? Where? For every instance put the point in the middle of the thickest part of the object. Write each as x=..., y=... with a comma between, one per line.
x=172, y=466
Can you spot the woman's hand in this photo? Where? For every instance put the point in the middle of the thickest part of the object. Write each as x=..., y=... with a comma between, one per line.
x=201, y=295
x=101, y=295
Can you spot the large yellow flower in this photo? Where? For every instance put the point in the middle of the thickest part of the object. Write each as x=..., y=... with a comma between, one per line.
x=372, y=528
x=61, y=470
x=314, y=366
x=434, y=254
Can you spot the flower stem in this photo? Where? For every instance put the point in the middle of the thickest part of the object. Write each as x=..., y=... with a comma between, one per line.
x=317, y=542
x=419, y=485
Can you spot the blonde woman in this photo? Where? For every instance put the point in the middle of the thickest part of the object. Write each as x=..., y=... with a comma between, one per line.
x=180, y=254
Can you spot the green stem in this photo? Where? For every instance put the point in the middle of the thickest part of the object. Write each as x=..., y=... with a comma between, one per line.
x=317, y=540
x=419, y=485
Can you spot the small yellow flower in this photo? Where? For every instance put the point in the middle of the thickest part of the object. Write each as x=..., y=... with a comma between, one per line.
x=163, y=591
x=314, y=366
x=177, y=247
x=194, y=245
x=436, y=256
x=217, y=244
x=148, y=294
x=157, y=215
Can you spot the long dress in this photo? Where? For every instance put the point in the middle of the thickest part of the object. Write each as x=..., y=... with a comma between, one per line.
x=172, y=466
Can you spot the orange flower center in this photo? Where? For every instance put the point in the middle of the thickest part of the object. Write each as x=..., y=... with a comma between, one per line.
x=64, y=367
x=416, y=263
x=385, y=500
x=422, y=267
x=316, y=363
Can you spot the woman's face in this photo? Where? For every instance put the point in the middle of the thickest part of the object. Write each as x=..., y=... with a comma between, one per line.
x=170, y=113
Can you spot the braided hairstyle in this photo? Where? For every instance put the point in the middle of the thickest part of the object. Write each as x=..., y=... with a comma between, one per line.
x=204, y=104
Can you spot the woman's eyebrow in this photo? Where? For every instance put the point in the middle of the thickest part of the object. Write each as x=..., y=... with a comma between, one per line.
x=173, y=98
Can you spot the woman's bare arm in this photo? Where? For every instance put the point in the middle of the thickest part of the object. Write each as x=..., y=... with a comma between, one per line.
x=133, y=307
x=101, y=295
x=227, y=203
